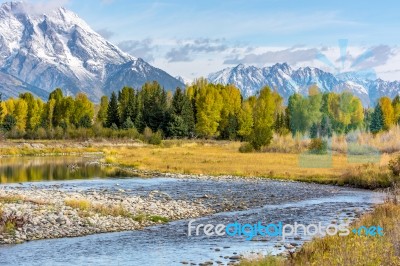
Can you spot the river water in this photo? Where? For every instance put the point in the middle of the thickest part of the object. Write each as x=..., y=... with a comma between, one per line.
x=238, y=200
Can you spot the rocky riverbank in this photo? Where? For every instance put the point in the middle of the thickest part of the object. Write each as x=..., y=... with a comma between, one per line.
x=30, y=213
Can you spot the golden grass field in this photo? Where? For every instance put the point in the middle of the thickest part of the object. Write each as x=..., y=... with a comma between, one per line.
x=223, y=158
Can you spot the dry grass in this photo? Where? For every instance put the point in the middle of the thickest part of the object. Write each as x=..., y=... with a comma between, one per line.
x=223, y=158
x=386, y=142
x=11, y=199
x=285, y=158
x=358, y=250
x=264, y=261
x=351, y=249
x=86, y=206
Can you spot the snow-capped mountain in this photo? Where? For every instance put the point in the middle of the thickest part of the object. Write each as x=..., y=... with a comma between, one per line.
x=287, y=81
x=58, y=49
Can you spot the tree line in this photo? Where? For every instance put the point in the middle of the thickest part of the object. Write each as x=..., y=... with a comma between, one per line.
x=202, y=110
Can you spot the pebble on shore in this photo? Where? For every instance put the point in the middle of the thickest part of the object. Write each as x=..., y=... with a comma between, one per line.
x=35, y=213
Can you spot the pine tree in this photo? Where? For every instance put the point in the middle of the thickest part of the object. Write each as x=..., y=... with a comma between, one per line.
x=128, y=124
x=314, y=131
x=396, y=108
x=85, y=121
x=1, y=106
x=377, y=122
x=326, y=127
x=300, y=120
x=113, y=112
x=181, y=116
x=9, y=123
x=154, y=106
x=126, y=100
x=58, y=113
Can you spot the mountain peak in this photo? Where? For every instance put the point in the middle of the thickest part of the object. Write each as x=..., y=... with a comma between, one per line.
x=56, y=48
x=287, y=81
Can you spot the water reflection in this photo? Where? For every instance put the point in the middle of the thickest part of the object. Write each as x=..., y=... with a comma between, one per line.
x=30, y=169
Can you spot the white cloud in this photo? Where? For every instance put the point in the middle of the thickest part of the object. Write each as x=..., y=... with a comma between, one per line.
x=43, y=6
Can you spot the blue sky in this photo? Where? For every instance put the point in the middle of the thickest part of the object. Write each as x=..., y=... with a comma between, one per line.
x=256, y=22
x=193, y=38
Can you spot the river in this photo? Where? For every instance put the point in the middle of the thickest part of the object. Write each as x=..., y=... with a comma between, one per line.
x=235, y=200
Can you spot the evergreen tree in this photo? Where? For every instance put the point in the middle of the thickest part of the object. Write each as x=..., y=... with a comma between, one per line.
x=299, y=118
x=231, y=129
x=128, y=124
x=113, y=112
x=58, y=112
x=314, y=131
x=1, y=106
x=326, y=127
x=181, y=122
x=85, y=121
x=396, y=108
x=154, y=107
x=9, y=123
x=126, y=99
x=138, y=121
x=177, y=127
x=377, y=121
x=281, y=123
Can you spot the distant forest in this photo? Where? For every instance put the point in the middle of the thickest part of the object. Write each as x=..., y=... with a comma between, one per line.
x=202, y=110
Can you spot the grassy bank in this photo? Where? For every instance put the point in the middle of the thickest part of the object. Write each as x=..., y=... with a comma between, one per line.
x=351, y=249
x=224, y=158
x=45, y=147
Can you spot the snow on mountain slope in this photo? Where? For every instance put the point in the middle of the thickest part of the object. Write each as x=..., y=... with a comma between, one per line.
x=59, y=49
x=12, y=87
x=286, y=81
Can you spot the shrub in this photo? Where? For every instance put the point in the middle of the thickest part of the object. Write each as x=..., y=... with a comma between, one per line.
x=318, y=146
x=158, y=219
x=81, y=204
x=11, y=221
x=41, y=133
x=156, y=138
x=246, y=148
x=368, y=175
x=9, y=122
x=394, y=166
x=152, y=138
x=147, y=134
x=58, y=132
